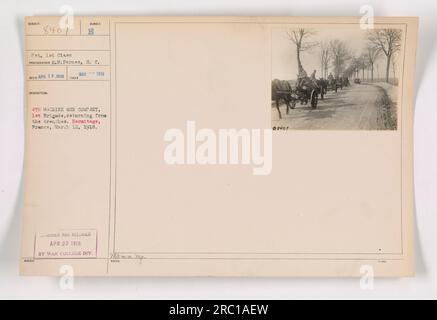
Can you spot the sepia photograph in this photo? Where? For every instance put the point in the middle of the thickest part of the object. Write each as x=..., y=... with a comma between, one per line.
x=332, y=78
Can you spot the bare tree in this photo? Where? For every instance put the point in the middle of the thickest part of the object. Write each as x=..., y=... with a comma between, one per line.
x=372, y=54
x=387, y=41
x=340, y=55
x=353, y=68
x=300, y=37
x=394, y=64
x=325, y=56
x=363, y=63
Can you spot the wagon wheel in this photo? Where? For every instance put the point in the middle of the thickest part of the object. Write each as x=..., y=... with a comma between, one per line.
x=314, y=99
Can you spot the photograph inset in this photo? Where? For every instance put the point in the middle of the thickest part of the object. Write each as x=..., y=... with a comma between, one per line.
x=335, y=78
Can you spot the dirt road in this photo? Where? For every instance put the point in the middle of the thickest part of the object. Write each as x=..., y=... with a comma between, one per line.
x=357, y=107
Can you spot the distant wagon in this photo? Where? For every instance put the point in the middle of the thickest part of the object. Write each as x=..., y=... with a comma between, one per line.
x=335, y=83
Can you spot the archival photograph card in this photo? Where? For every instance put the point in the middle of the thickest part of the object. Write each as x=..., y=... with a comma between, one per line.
x=219, y=146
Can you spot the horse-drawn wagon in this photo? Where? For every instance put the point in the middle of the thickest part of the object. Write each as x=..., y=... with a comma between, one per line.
x=304, y=92
x=335, y=83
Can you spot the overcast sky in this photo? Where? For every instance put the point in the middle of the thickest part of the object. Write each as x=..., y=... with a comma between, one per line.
x=284, y=62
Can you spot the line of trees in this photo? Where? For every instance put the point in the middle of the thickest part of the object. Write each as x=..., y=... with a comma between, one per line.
x=387, y=42
x=335, y=54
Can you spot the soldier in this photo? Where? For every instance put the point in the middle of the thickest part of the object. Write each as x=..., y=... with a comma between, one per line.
x=331, y=79
x=301, y=77
x=313, y=79
x=313, y=75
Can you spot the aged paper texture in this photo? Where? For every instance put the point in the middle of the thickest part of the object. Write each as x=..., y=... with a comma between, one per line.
x=219, y=146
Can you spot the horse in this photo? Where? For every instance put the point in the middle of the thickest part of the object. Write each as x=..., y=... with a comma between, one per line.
x=281, y=90
x=323, y=87
x=346, y=82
